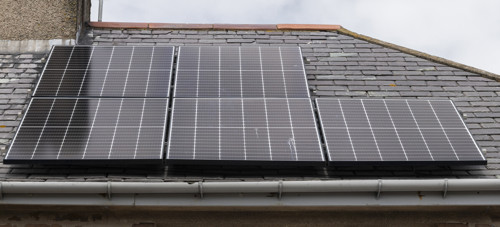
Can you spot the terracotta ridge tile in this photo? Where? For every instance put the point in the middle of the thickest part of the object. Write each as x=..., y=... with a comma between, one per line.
x=308, y=27
x=246, y=26
x=215, y=26
x=180, y=26
x=118, y=25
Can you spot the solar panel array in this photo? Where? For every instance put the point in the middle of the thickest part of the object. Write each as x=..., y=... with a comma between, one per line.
x=231, y=105
x=242, y=105
x=395, y=131
x=97, y=105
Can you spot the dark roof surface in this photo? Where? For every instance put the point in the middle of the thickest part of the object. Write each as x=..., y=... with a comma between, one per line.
x=337, y=65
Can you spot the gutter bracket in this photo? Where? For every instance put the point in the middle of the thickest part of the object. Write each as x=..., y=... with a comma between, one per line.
x=280, y=189
x=379, y=189
x=445, y=189
x=109, y=190
x=200, y=189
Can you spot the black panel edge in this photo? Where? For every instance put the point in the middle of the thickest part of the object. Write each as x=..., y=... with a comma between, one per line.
x=5, y=158
x=318, y=163
x=406, y=163
x=43, y=71
x=86, y=162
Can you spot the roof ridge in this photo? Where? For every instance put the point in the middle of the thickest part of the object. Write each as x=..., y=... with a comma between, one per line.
x=214, y=26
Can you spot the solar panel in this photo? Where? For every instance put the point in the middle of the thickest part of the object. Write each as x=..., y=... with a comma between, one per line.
x=107, y=71
x=247, y=72
x=244, y=130
x=379, y=131
x=80, y=130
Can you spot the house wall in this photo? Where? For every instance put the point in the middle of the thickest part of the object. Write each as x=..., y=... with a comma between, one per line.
x=150, y=217
x=32, y=26
x=37, y=19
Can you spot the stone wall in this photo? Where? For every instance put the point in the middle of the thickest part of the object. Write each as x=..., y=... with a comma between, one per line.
x=38, y=19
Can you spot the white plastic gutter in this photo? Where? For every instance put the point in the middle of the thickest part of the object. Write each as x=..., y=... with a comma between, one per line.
x=252, y=187
x=156, y=191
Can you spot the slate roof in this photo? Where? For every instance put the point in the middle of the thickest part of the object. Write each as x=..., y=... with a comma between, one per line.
x=337, y=65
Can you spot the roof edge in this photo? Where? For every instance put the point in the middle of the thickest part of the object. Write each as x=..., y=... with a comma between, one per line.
x=420, y=54
x=134, y=25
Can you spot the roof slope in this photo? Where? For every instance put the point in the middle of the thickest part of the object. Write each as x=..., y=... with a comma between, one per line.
x=338, y=65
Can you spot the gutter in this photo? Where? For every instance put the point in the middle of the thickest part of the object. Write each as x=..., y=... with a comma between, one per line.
x=329, y=193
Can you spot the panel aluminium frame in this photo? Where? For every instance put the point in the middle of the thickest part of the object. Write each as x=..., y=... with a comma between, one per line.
x=396, y=132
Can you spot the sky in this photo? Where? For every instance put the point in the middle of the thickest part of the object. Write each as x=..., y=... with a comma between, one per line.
x=464, y=31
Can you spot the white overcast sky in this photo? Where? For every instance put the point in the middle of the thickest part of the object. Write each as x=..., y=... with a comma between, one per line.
x=464, y=31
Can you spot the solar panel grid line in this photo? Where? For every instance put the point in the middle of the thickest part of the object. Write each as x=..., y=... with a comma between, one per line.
x=15, y=136
x=419, y=130
x=243, y=70
x=144, y=105
x=43, y=71
x=468, y=132
x=348, y=132
x=196, y=107
x=67, y=128
x=219, y=57
x=395, y=130
x=121, y=102
x=51, y=107
x=304, y=71
x=351, y=127
x=371, y=130
x=91, y=128
x=265, y=105
x=442, y=128
x=98, y=104
x=294, y=148
x=242, y=107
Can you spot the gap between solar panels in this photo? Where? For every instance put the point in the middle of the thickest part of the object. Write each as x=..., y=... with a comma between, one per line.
x=95, y=105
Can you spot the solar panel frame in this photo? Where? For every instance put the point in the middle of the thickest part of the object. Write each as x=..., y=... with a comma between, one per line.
x=87, y=71
x=343, y=160
x=86, y=161
x=271, y=141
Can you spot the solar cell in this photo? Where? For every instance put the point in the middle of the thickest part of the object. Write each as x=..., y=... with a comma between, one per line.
x=380, y=131
x=82, y=130
x=246, y=72
x=244, y=130
x=97, y=71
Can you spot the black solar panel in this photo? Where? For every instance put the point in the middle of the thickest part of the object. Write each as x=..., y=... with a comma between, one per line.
x=246, y=72
x=97, y=71
x=97, y=105
x=69, y=130
x=248, y=130
x=379, y=131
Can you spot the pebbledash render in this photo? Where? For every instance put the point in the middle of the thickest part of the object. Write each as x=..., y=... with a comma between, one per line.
x=339, y=64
